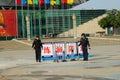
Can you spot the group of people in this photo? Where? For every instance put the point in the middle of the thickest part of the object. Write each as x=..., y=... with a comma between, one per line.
x=84, y=42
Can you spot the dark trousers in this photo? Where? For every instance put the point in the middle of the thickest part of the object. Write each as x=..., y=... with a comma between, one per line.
x=38, y=54
x=85, y=53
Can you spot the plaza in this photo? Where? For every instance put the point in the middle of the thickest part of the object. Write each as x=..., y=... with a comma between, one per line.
x=18, y=62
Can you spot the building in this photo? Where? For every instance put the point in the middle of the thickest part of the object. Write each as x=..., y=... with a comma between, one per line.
x=53, y=17
x=46, y=17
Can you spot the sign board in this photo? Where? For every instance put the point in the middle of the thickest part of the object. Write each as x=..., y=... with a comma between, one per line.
x=71, y=46
x=8, y=24
x=47, y=49
x=59, y=48
x=80, y=50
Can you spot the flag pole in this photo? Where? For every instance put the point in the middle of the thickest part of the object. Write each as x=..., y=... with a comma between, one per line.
x=46, y=20
x=63, y=19
x=35, y=33
x=16, y=19
x=52, y=10
x=22, y=14
x=39, y=19
x=69, y=20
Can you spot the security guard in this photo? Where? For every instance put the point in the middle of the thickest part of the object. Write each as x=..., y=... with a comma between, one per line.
x=37, y=45
x=84, y=42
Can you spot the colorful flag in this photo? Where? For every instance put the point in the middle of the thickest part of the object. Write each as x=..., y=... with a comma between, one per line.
x=23, y=2
x=57, y=2
x=18, y=2
x=41, y=2
x=70, y=1
x=35, y=2
x=64, y=1
x=30, y=2
x=47, y=1
x=52, y=2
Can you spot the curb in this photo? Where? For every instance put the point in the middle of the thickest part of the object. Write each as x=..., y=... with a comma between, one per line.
x=105, y=38
x=22, y=42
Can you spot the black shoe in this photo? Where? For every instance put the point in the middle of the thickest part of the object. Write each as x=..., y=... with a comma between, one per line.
x=57, y=61
x=72, y=60
x=85, y=60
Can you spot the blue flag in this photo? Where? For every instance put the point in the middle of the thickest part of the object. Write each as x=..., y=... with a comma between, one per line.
x=23, y=2
x=47, y=1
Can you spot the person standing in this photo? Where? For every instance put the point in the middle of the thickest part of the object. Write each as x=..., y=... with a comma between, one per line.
x=84, y=42
x=37, y=45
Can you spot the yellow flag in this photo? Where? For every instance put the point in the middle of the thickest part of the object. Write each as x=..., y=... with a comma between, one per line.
x=29, y=1
x=52, y=2
x=70, y=1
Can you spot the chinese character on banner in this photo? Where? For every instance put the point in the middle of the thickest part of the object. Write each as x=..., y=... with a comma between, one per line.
x=47, y=50
x=70, y=48
x=59, y=49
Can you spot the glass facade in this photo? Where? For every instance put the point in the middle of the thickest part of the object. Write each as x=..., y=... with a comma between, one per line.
x=46, y=22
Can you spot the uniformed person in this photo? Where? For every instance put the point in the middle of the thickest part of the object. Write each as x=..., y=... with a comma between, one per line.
x=84, y=42
x=37, y=45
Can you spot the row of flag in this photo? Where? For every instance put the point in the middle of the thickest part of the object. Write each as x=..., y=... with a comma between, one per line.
x=41, y=2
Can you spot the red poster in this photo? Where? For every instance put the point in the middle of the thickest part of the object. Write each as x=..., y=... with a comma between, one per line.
x=8, y=23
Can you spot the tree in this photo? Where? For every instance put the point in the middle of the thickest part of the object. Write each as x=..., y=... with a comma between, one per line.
x=111, y=20
x=105, y=22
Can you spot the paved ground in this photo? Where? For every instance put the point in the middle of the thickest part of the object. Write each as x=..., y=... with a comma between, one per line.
x=17, y=63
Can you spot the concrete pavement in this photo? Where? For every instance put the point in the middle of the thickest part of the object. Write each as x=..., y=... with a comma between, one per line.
x=21, y=65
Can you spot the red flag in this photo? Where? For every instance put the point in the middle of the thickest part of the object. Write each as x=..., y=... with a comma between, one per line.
x=64, y=1
x=41, y=2
x=18, y=2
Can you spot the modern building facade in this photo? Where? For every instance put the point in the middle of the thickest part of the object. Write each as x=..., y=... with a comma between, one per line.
x=23, y=18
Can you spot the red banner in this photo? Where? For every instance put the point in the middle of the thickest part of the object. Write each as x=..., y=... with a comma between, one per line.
x=8, y=23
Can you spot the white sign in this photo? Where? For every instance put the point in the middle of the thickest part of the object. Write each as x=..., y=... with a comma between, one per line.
x=71, y=46
x=80, y=50
x=47, y=49
x=59, y=48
